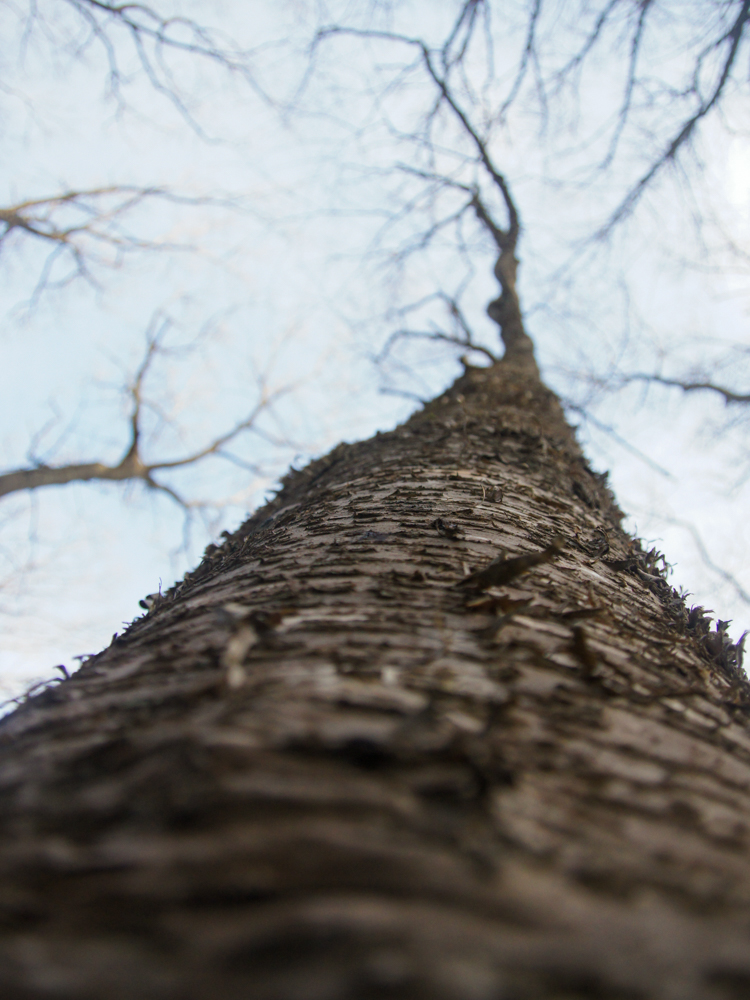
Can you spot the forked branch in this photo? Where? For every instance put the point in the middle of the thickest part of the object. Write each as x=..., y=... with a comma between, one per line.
x=505, y=310
x=88, y=228
x=732, y=39
x=133, y=466
x=459, y=336
x=154, y=37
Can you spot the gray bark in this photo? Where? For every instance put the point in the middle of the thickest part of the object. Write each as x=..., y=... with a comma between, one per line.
x=344, y=759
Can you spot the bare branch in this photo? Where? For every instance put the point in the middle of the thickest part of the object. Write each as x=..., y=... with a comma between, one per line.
x=153, y=36
x=461, y=336
x=449, y=98
x=586, y=415
x=505, y=310
x=132, y=465
x=728, y=395
x=527, y=56
x=465, y=21
x=43, y=475
x=624, y=113
x=591, y=40
x=404, y=394
x=514, y=224
x=436, y=335
x=706, y=557
x=88, y=227
x=684, y=134
x=217, y=445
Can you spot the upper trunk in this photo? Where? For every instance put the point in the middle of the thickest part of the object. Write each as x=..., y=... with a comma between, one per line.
x=338, y=762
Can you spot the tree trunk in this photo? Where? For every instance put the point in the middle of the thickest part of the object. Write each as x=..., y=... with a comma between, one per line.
x=350, y=756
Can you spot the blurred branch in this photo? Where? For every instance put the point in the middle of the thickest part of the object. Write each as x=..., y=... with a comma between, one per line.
x=732, y=38
x=404, y=394
x=132, y=466
x=627, y=100
x=153, y=37
x=88, y=227
x=586, y=415
x=728, y=395
x=706, y=556
x=460, y=337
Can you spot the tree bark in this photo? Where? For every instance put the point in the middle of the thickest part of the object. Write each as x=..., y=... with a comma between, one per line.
x=365, y=750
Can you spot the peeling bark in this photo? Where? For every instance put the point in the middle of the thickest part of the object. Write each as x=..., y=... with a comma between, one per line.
x=322, y=769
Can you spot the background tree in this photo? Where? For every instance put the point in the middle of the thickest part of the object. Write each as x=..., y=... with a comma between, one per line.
x=486, y=55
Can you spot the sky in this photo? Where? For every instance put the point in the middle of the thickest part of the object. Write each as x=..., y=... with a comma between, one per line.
x=282, y=272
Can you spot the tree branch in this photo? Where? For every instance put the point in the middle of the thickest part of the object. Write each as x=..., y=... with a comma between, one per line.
x=132, y=466
x=683, y=135
x=96, y=226
x=705, y=556
x=687, y=386
x=181, y=35
x=505, y=310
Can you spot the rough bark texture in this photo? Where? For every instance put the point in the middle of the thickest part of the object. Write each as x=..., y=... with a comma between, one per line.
x=340, y=761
